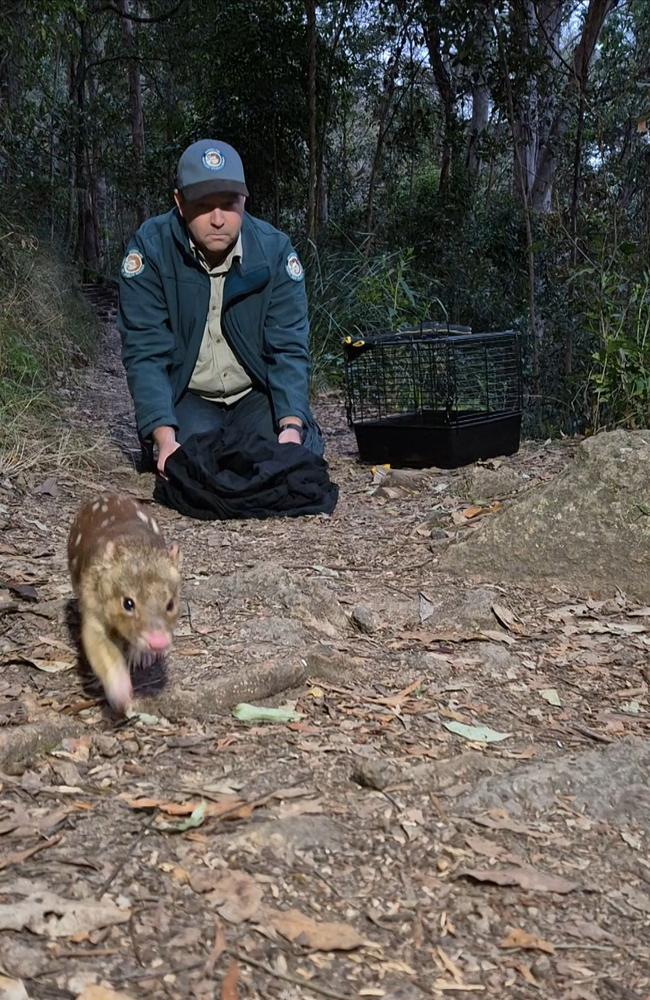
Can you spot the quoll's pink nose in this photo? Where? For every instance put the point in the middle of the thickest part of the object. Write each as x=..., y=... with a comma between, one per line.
x=158, y=641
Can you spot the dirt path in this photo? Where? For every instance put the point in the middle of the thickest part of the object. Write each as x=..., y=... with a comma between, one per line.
x=366, y=850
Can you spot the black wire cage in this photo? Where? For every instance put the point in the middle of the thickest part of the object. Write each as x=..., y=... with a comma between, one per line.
x=434, y=395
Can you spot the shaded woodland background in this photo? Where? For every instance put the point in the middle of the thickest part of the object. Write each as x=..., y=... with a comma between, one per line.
x=486, y=163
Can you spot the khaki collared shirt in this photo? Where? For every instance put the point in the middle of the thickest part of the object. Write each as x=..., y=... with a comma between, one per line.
x=218, y=374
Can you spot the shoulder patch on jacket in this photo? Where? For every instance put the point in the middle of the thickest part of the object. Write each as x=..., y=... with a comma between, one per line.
x=294, y=267
x=133, y=264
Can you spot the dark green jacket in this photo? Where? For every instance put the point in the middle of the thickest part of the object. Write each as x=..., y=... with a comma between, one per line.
x=163, y=308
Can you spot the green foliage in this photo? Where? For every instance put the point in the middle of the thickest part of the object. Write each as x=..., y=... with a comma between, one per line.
x=396, y=91
x=351, y=293
x=472, y=247
x=620, y=377
x=45, y=327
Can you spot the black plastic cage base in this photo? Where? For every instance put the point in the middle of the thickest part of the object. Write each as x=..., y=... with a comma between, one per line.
x=421, y=441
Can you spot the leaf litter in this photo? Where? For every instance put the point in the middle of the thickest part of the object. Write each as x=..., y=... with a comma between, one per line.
x=373, y=871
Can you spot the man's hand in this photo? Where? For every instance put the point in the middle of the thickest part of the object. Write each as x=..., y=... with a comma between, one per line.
x=165, y=439
x=290, y=435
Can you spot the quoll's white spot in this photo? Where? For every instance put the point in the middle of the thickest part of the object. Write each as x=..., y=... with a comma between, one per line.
x=155, y=527
x=77, y=539
x=104, y=508
x=95, y=506
x=105, y=522
x=74, y=563
x=143, y=516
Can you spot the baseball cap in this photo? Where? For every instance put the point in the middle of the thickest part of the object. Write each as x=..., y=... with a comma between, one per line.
x=209, y=166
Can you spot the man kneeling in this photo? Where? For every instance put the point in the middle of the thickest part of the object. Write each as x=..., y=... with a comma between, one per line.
x=213, y=315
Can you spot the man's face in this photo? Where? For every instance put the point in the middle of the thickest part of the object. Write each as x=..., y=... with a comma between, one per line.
x=213, y=221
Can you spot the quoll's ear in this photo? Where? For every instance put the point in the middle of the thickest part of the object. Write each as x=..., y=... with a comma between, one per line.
x=176, y=555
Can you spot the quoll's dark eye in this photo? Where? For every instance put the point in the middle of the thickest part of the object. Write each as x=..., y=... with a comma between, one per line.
x=128, y=604
x=170, y=605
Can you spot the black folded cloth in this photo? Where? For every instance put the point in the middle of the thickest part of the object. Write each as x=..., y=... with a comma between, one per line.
x=225, y=474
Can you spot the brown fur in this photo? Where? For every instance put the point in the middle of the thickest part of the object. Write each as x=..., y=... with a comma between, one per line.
x=116, y=553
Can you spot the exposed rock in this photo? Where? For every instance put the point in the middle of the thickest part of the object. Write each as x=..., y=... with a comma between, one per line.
x=311, y=601
x=376, y=772
x=278, y=631
x=365, y=619
x=19, y=745
x=472, y=613
x=587, y=528
x=482, y=483
x=610, y=784
x=496, y=656
x=283, y=837
x=328, y=664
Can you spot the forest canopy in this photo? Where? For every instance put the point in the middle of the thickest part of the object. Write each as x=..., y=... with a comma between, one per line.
x=485, y=164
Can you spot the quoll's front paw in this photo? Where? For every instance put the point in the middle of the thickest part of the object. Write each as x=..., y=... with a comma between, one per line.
x=119, y=692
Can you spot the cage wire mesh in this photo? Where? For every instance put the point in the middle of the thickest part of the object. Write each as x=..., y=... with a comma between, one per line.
x=433, y=374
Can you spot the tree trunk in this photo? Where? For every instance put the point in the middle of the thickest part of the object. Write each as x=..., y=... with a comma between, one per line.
x=11, y=59
x=443, y=75
x=546, y=165
x=312, y=189
x=321, y=191
x=390, y=85
x=480, y=116
x=135, y=103
x=87, y=241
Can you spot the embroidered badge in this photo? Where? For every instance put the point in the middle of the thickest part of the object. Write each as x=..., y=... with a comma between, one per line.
x=133, y=264
x=213, y=159
x=294, y=267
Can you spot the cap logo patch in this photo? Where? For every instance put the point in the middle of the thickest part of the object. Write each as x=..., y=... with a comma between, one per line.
x=133, y=264
x=213, y=159
x=294, y=267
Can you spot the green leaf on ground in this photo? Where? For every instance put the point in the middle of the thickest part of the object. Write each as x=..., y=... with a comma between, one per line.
x=478, y=734
x=196, y=818
x=255, y=713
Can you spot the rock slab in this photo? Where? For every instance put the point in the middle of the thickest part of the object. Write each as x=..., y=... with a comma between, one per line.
x=588, y=528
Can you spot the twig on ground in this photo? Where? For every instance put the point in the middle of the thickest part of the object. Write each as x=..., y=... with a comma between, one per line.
x=126, y=857
x=285, y=976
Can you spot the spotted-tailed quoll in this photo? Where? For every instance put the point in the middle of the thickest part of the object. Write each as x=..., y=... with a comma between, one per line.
x=127, y=581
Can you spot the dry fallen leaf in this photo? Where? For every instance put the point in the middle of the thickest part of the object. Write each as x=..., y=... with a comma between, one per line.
x=526, y=974
x=496, y=636
x=17, y=857
x=498, y=819
x=234, y=894
x=477, y=734
x=504, y=616
x=47, y=666
x=551, y=696
x=317, y=935
x=496, y=852
x=524, y=876
x=230, y=984
x=632, y=839
x=446, y=986
x=475, y=511
x=102, y=993
x=54, y=916
x=230, y=804
x=427, y=607
x=12, y=989
x=449, y=965
x=518, y=938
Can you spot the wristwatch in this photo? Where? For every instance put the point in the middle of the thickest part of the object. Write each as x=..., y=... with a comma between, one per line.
x=291, y=424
